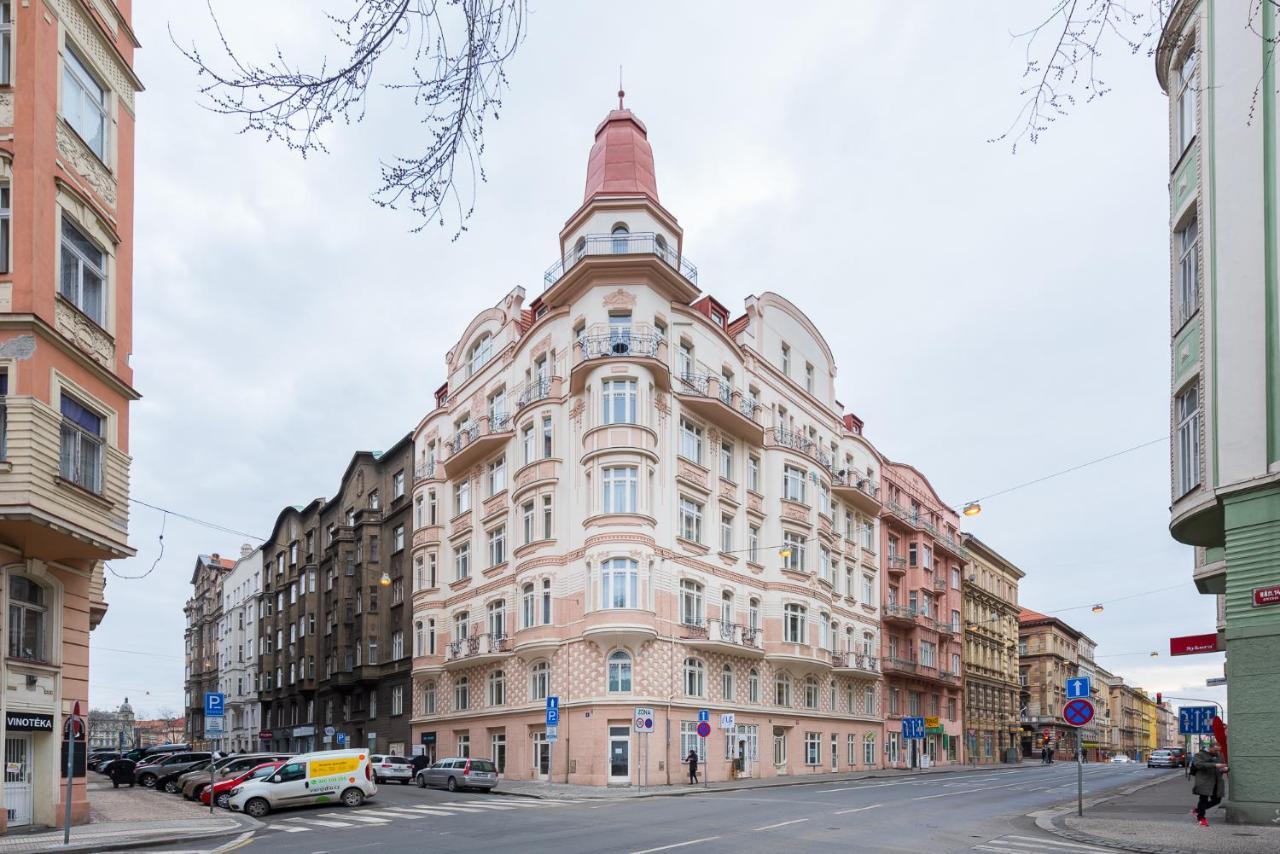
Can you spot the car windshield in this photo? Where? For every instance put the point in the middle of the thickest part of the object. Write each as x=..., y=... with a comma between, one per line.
x=482, y=765
x=264, y=771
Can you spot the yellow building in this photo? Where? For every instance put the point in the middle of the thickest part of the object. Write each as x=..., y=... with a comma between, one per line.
x=993, y=728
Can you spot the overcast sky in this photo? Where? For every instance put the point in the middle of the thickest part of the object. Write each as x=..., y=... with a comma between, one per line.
x=994, y=317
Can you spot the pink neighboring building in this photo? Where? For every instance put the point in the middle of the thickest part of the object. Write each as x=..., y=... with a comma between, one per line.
x=627, y=499
x=923, y=634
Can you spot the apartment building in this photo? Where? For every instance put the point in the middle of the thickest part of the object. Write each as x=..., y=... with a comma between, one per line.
x=1215, y=61
x=1131, y=719
x=1108, y=731
x=993, y=726
x=1092, y=736
x=1048, y=651
x=67, y=96
x=923, y=640
x=628, y=498
x=333, y=618
x=237, y=656
x=203, y=612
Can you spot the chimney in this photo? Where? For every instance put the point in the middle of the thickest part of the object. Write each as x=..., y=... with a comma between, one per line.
x=213, y=558
x=246, y=550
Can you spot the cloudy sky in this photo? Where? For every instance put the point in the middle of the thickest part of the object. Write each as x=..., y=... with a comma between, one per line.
x=994, y=317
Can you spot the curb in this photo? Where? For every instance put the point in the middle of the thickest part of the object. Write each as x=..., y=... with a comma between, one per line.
x=781, y=783
x=245, y=824
x=1049, y=823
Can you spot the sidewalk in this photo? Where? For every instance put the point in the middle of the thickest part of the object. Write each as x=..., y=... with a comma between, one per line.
x=1154, y=818
x=125, y=819
x=538, y=789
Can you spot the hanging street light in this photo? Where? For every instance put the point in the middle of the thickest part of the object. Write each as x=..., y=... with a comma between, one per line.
x=972, y=508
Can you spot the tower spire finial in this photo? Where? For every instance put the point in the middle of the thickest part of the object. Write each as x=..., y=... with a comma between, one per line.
x=621, y=94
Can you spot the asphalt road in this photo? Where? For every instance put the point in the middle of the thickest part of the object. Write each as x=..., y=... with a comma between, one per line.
x=961, y=812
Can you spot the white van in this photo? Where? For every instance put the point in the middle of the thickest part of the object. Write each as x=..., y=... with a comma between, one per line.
x=331, y=776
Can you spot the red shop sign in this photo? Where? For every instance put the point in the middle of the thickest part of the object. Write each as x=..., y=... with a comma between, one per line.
x=1266, y=595
x=1194, y=644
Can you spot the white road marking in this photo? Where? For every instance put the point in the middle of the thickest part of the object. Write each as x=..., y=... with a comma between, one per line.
x=322, y=822
x=779, y=824
x=856, y=809
x=360, y=818
x=287, y=829
x=966, y=792
x=1057, y=843
x=676, y=845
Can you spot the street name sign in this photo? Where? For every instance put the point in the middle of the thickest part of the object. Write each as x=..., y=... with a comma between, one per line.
x=728, y=721
x=1215, y=681
x=553, y=712
x=1196, y=720
x=1195, y=644
x=1077, y=687
x=1078, y=712
x=644, y=719
x=1266, y=595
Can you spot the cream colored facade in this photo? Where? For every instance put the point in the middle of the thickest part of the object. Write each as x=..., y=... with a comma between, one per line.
x=1048, y=651
x=601, y=501
x=993, y=727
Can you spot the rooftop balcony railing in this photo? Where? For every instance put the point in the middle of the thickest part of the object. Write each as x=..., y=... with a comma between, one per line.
x=643, y=243
x=855, y=661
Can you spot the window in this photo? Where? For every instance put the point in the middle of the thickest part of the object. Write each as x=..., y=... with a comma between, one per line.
x=526, y=517
x=397, y=645
x=540, y=681
x=429, y=698
x=498, y=619
x=84, y=273
x=689, y=741
x=527, y=443
x=419, y=639
x=497, y=475
x=792, y=551
x=955, y=622
x=824, y=500
x=461, y=694
x=546, y=437
x=793, y=623
x=955, y=578
x=1188, y=271
x=84, y=102
x=27, y=608
x=6, y=43
x=694, y=677
x=397, y=700
x=810, y=692
x=81, y=453
x=927, y=653
x=726, y=533
x=479, y=354
x=619, y=672
x=726, y=683
x=690, y=603
x=1187, y=412
x=619, y=398
x=528, y=605
x=546, y=601
x=546, y=517
x=690, y=520
x=753, y=473
x=726, y=460
x=753, y=686
x=497, y=688
x=498, y=546
x=374, y=502
x=868, y=590
x=619, y=583
x=753, y=543
x=869, y=749
x=753, y=614
x=5, y=203
x=462, y=496
x=397, y=539
x=620, y=485
x=786, y=360
x=1187, y=99
x=397, y=485
x=869, y=699
x=808, y=377
x=690, y=441
x=684, y=360
x=825, y=566
x=462, y=561
x=432, y=516
x=782, y=690
x=869, y=536
x=793, y=483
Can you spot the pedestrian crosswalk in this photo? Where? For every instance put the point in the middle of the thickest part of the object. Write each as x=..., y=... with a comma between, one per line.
x=374, y=813
x=1013, y=844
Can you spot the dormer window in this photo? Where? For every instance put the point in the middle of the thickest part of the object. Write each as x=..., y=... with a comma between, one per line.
x=479, y=354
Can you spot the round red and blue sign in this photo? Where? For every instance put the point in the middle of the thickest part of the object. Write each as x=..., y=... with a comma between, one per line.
x=1078, y=712
x=704, y=729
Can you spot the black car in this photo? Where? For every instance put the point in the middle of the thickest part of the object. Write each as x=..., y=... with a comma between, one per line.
x=149, y=774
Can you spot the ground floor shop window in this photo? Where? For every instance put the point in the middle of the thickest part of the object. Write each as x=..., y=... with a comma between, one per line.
x=869, y=749
x=812, y=748
x=689, y=740
x=498, y=750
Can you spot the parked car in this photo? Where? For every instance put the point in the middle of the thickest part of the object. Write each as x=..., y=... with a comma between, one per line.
x=1162, y=759
x=1180, y=753
x=192, y=784
x=396, y=768
x=138, y=754
x=222, y=789
x=98, y=760
x=342, y=776
x=1120, y=759
x=150, y=773
x=459, y=772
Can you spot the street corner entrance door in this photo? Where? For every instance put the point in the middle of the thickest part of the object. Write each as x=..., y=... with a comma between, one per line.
x=619, y=754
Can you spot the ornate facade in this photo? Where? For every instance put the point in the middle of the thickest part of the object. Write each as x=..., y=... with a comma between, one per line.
x=201, y=640
x=628, y=498
x=990, y=596
x=1049, y=654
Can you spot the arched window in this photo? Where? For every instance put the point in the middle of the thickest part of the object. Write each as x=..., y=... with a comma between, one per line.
x=619, y=672
x=528, y=605
x=782, y=690
x=753, y=686
x=660, y=247
x=431, y=637
x=27, y=624
x=579, y=248
x=621, y=238
x=811, y=692
x=619, y=583
x=824, y=631
x=461, y=694
x=497, y=688
x=539, y=681
x=479, y=354
x=694, y=677
x=726, y=683
x=726, y=606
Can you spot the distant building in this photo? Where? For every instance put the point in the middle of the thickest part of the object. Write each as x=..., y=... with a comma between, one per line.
x=991, y=687
x=238, y=659
x=1093, y=735
x=149, y=733
x=112, y=730
x=203, y=612
x=1049, y=655
x=1132, y=719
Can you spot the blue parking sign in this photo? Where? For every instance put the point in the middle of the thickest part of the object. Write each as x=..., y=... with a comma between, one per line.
x=553, y=711
x=214, y=704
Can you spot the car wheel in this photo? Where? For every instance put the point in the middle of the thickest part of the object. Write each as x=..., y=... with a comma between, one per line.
x=223, y=800
x=171, y=787
x=421, y=781
x=148, y=780
x=352, y=797
x=452, y=785
x=257, y=807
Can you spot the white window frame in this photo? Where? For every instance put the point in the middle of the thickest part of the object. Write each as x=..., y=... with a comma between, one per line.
x=619, y=401
x=692, y=606
x=1187, y=414
x=793, y=485
x=84, y=102
x=691, y=441
x=621, y=488
x=619, y=584
x=72, y=282
x=690, y=519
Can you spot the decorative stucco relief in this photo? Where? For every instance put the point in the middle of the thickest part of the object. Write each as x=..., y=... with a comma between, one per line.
x=619, y=299
x=83, y=161
x=799, y=514
x=85, y=334
x=6, y=109
x=692, y=474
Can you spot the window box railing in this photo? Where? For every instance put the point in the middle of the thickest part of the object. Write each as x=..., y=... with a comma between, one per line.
x=424, y=471
x=618, y=344
x=642, y=243
x=536, y=389
x=472, y=645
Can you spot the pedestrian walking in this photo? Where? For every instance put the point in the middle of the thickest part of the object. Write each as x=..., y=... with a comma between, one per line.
x=692, y=759
x=1208, y=785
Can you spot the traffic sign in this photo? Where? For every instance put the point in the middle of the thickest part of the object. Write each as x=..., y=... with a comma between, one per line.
x=214, y=704
x=553, y=733
x=913, y=728
x=644, y=719
x=704, y=729
x=553, y=711
x=1196, y=720
x=213, y=726
x=342, y=738
x=1078, y=687
x=329, y=730
x=1078, y=712
x=728, y=721
x=704, y=715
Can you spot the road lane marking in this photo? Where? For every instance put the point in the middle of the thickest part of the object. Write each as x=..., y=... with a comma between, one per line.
x=967, y=792
x=322, y=822
x=1059, y=844
x=854, y=788
x=287, y=829
x=360, y=818
x=856, y=809
x=779, y=824
x=675, y=845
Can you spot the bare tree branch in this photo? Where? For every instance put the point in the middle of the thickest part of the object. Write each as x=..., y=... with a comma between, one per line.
x=455, y=86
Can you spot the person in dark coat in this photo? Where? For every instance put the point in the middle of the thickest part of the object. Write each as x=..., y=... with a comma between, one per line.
x=121, y=771
x=1208, y=782
x=692, y=759
x=419, y=761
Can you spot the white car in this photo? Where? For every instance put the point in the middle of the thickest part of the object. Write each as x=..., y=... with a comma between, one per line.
x=332, y=776
x=1120, y=759
x=391, y=768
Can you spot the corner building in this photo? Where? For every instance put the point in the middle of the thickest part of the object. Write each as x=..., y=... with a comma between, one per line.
x=626, y=497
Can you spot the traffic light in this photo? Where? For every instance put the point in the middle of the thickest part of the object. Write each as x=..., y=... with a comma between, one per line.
x=1159, y=697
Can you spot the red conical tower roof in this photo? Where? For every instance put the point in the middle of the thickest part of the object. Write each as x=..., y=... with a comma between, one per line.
x=621, y=161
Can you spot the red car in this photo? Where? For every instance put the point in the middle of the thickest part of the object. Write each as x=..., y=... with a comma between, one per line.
x=222, y=790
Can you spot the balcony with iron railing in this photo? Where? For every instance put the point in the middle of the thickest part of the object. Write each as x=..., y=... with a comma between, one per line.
x=851, y=662
x=538, y=388
x=640, y=243
x=893, y=664
x=723, y=636
x=476, y=649
x=637, y=343
x=894, y=613
x=799, y=442
x=947, y=542
x=476, y=441
x=896, y=564
x=711, y=396
x=426, y=470
x=940, y=584
x=856, y=488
